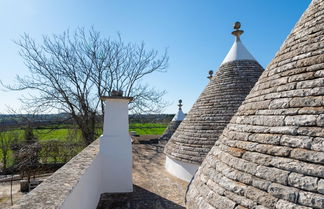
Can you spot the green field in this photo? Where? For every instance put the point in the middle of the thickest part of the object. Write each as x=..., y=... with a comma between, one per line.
x=65, y=133
x=148, y=128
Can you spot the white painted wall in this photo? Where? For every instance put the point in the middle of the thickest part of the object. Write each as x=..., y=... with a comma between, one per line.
x=181, y=170
x=86, y=194
x=116, y=148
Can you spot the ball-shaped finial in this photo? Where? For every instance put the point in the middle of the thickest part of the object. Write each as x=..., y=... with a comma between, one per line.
x=237, y=32
x=237, y=25
x=210, y=74
x=180, y=104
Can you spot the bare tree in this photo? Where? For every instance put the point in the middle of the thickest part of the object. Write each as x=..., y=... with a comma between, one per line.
x=27, y=159
x=70, y=73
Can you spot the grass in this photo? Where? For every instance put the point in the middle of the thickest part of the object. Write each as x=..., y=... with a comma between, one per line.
x=45, y=134
x=62, y=134
x=148, y=128
x=147, y=125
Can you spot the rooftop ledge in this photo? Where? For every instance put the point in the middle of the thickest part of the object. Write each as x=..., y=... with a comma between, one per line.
x=77, y=185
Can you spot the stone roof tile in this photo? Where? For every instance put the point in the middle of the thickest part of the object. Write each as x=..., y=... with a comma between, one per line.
x=271, y=153
x=214, y=108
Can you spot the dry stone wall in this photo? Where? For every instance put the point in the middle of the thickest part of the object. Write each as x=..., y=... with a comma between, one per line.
x=271, y=154
x=213, y=110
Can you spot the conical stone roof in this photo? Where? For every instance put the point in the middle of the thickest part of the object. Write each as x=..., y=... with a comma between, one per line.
x=174, y=123
x=215, y=107
x=271, y=155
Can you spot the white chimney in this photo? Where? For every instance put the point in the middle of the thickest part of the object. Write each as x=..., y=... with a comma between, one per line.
x=115, y=146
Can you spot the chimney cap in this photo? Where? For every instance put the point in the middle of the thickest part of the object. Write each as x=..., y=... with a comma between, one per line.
x=116, y=94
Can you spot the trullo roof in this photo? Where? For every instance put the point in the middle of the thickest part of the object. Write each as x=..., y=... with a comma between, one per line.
x=215, y=106
x=174, y=123
x=271, y=154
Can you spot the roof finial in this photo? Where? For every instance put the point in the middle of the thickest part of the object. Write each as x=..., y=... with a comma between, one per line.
x=180, y=104
x=237, y=32
x=210, y=74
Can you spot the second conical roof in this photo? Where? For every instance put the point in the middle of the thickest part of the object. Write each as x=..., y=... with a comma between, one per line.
x=214, y=108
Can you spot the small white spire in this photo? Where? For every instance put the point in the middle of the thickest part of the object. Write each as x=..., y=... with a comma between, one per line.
x=180, y=115
x=238, y=50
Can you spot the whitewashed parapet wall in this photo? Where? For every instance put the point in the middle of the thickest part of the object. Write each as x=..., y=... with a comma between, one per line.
x=76, y=185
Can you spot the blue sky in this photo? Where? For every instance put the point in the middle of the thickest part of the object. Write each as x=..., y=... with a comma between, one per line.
x=196, y=34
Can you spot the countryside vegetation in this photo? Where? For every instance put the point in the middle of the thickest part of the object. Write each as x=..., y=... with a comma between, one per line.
x=57, y=141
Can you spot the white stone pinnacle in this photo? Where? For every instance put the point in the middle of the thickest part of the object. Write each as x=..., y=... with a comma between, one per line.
x=238, y=52
x=179, y=116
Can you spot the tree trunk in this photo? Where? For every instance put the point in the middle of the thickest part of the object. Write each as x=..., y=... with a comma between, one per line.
x=88, y=129
x=4, y=161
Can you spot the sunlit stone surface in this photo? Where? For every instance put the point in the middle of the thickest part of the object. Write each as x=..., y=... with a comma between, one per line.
x=214, y=108
x=271, y=154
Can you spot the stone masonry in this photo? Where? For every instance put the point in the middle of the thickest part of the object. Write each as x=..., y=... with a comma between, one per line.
x=271, y=154
x=169, y=131
x=212, y=111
